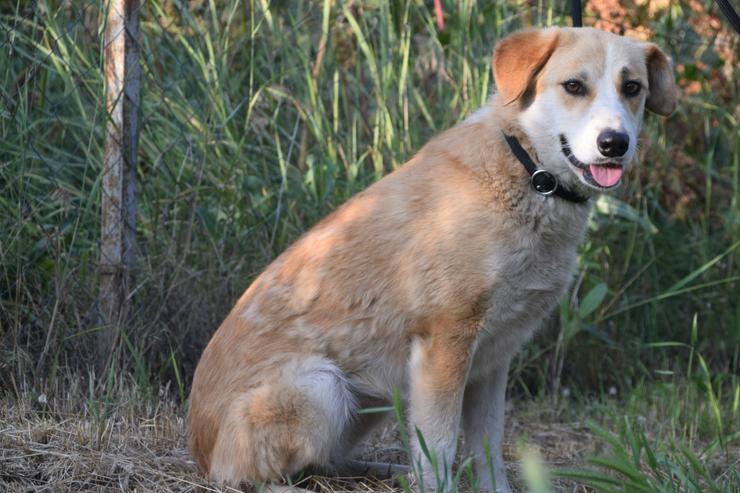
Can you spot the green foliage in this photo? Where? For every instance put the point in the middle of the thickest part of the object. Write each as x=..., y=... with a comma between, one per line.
x=674, y=433
x=639, y=463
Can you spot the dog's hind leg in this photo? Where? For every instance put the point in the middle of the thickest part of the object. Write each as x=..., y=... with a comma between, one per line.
x=378, y=470
x=283, y=488
x=287, y=423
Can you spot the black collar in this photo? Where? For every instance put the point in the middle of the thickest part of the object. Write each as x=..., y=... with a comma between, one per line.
x=543, y=182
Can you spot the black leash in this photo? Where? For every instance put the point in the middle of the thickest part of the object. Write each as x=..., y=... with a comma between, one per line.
x=575, y=13
x=543, y=182
x=730, y=13
x=724, y=6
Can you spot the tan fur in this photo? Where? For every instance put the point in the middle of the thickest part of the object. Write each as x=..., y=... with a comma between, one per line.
x=519, y=58
x=662, y=98
x=426, y=282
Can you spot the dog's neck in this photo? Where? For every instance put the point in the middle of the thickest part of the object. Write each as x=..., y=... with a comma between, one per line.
x=503, y=119
x=541, y=179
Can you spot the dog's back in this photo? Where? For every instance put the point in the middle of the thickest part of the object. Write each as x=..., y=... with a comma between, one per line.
x=351, y=292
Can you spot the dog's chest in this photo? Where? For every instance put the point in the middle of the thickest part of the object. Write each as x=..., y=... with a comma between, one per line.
x=528, y=271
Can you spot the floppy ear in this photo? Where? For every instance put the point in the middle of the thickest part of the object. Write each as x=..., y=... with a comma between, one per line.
x=662, y=97
x=518, y=58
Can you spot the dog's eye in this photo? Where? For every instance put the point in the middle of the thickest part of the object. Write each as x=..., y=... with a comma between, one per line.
x=631, y=88
x=574, y=87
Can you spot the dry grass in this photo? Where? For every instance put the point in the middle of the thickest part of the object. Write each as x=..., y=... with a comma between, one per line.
x=63, y=444
x=60, y=446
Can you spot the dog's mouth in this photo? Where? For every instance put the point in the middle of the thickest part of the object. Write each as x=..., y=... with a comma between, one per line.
x=603, y=175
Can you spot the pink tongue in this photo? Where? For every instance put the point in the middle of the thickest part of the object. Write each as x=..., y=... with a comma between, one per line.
x=606, y=176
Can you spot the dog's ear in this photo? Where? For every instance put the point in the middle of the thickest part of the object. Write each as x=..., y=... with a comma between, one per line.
x=662, y=97
x=519, y=57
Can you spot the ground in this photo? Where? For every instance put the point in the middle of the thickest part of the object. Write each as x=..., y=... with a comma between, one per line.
x=59, y=446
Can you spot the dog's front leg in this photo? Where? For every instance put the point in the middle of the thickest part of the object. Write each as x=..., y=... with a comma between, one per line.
x=438, y=369
x=483, y=427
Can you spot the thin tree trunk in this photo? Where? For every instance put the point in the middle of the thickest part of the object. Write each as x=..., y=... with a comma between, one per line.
x=118, y=219
x=132, y=89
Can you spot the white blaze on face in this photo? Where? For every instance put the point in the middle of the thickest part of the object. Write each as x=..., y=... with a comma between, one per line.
x=607, y=112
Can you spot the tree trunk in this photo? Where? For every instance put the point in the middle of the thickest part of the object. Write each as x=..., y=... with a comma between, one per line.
x=118, y=201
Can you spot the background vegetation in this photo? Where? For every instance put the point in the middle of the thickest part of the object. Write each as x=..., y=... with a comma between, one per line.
x=259, y=117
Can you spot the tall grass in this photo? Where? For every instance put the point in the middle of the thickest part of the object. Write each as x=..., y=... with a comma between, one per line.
x=258, y=118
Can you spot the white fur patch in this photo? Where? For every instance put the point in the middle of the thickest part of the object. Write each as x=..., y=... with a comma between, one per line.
x=479, y=115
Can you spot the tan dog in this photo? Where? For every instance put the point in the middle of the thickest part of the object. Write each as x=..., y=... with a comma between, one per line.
x=432, y=278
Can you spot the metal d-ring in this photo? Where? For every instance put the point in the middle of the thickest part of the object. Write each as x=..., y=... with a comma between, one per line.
x=543, y=182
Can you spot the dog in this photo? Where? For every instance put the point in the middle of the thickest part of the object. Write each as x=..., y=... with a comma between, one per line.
x=428, y=281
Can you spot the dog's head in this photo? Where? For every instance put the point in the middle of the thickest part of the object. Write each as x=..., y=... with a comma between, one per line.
x=580, y=95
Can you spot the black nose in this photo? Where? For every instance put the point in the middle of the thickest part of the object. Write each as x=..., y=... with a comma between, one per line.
x=612, y=143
